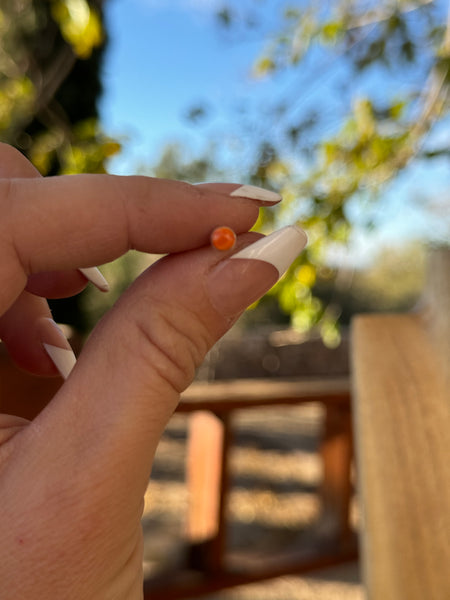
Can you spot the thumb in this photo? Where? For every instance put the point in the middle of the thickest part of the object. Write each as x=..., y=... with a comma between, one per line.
x=93, y=445
x=139, y=359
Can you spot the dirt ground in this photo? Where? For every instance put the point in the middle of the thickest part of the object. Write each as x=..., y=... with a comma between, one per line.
x=272, y=506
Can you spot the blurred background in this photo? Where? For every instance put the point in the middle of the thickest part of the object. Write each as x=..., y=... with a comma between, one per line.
x=341, y=105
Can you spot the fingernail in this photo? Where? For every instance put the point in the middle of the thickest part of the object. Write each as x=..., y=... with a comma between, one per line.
x=57, y=347
x=256, y=193
x=280, y=248
x=238, y=281
x=94, y=275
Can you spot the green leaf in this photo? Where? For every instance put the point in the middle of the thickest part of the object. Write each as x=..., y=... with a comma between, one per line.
x=264, y=66
x=80, y=25
x=331, y=32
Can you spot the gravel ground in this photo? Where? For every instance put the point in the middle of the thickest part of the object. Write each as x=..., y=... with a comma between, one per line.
x=273, y=502
x=333, y=584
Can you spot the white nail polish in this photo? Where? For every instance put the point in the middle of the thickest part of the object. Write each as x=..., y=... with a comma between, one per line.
x=64, y=360
x=280, y=248
x=94, y=275
x=256, y=193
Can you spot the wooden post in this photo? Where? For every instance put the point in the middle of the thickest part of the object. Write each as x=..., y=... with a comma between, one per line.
x=336, y=451
x=402, y=437
x=207, y=468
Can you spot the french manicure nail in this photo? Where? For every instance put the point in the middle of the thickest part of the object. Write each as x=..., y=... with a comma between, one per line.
x=64, y=360
x=57, y=347
x=241, y=279
x=256, y=193
x=280, y=248
x=94, y=275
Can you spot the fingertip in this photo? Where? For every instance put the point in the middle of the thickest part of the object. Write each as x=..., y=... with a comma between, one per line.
x=24, y=330
x=47, y=353
x=56, y=346
x=56, y=284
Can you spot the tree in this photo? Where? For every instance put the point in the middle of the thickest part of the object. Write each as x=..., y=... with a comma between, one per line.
x=50, y=62
x=336, y=155
x=172, y=164
x=50, y=58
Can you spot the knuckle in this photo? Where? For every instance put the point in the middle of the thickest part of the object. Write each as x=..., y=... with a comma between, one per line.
x=172, y=342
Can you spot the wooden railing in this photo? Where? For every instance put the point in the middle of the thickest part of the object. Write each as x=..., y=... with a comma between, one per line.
x=212, y=405
x=401, y=405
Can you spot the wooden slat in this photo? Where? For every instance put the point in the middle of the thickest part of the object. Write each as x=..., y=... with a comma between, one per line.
x=207, y=479
x=245, y=393
x=402, y=435
x=336, y=489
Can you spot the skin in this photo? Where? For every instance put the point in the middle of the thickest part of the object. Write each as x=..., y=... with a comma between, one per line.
x=72, y=480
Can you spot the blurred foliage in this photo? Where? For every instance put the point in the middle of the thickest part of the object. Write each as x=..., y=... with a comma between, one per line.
x=174, y=164
x=80, y=25
x=392, y=282
x=323, y=168
x=50, y=59
x=119, y=273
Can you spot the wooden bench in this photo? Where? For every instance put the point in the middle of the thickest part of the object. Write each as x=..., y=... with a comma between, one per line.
x=210, y=439
x=401, y=406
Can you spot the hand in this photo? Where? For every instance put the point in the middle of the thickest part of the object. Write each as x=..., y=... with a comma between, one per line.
x=72, y=480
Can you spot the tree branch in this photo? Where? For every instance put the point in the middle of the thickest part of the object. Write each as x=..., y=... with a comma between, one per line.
x=379, y=16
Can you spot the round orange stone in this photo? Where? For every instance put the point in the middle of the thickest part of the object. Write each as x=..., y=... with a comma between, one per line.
x=223, y=238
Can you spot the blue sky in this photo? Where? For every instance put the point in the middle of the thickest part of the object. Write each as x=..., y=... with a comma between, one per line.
x=165, y=56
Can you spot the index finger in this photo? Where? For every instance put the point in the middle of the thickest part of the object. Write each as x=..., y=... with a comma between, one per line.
x=73, y=221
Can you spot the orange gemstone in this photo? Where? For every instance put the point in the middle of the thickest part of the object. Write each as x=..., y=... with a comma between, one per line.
x=223, y=238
